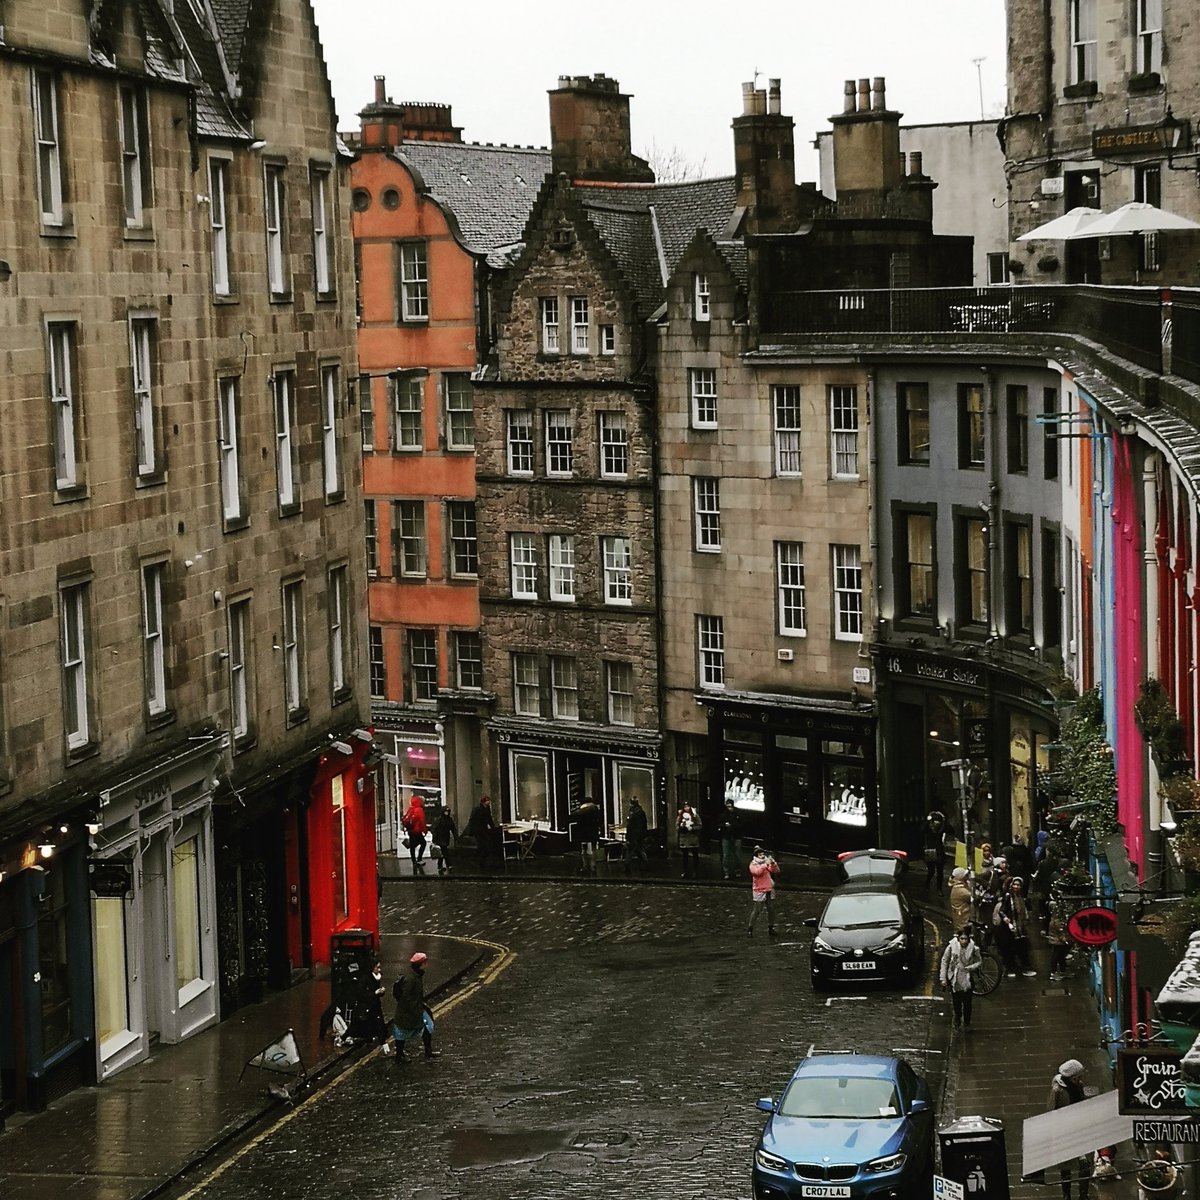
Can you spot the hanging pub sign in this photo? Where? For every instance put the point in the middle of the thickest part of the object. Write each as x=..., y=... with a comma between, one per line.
x=1167, y=135
x=1093, y=927
x=111, y=877
x=1149, y=1083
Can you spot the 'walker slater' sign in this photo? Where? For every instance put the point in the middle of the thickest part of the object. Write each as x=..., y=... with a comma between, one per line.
x=1149, y=1083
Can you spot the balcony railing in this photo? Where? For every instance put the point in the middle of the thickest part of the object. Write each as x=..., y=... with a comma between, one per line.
x=1127, y=321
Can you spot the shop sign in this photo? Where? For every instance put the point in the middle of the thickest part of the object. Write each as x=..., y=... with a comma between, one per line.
x=975, y=735
x=111, y=877
x=1176, y=1132
x=1093, y=926
x=1137, y=139
x=1149, y=1081
x=935, y=670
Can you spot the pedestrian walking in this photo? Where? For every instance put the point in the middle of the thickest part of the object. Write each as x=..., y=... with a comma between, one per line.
x=415, y=828
x=763, y=869
x=375, y=1019
x=589, y=824
x=1067, y=1088
x=960, y=961
x=414, y=1018
x=637, y=827
x=934, y=849
x=1011, y=923
x=687, y=829
x=1060, y=946
x=444, y=831
x=960, y=898
x=730, y=825
x=481, y=827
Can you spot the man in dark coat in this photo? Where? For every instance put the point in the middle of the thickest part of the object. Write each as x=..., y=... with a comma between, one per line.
x=637, y=825
x=483, y=828
x=589, y=827
x=444, y=832
x=413, y=1018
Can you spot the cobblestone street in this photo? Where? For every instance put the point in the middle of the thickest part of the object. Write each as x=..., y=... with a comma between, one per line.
x=619, y=1055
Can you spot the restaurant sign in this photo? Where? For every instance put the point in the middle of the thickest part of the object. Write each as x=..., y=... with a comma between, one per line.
x=1093, y=927
x=1149, y=1083
x=1141, y=139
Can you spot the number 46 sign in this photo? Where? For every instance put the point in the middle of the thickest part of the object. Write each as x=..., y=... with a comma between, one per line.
x=946, y=1189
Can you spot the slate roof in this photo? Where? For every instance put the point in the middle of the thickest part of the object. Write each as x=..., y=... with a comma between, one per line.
x=232, y=17
x=488, y=189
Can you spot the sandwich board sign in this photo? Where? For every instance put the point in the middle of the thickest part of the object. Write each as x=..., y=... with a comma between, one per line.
x=946, y=1189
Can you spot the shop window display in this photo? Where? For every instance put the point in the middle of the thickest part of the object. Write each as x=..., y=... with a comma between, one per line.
x=845, y=795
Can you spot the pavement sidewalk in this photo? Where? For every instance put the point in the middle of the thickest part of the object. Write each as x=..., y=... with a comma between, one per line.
x=136, y=1134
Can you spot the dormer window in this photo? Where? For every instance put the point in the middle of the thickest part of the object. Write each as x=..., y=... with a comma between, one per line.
x=701, y=299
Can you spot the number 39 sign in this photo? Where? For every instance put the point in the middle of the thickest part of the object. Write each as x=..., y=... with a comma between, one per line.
x=1093, y=926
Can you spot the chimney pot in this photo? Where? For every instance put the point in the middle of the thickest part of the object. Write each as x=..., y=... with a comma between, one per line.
x=380, y=89
x=903, y=163
x=864, y=95
x=914, y=160
x=760, y=102
x=848, y=96
x=879, y=102
x=773, y=98
x=747, y=99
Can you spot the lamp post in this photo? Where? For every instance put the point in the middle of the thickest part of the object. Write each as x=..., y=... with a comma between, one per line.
x=961, y=767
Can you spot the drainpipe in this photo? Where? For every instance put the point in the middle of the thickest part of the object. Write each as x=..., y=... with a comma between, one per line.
x=992, y=505
x=888, y=837
x=1150, y=624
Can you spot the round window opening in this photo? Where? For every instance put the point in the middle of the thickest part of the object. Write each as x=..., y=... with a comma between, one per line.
x=360, y=199
x=391, y=198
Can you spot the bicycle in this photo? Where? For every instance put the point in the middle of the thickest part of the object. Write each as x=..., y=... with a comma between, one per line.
x=987, y=977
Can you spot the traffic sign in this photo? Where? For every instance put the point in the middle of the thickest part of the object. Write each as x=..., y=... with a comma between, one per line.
x=946, y=1189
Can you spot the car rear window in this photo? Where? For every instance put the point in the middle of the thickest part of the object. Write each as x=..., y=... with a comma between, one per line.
x=840, y=1097
x=862, y=908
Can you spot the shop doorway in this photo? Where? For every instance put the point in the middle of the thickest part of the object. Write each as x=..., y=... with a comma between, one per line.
x=11, y=1073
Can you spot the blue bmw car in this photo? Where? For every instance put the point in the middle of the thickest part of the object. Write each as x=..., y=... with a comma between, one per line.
x=847, y=1126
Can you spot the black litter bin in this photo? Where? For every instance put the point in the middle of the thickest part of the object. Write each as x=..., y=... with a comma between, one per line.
x=973, y=1155
x=351, y=956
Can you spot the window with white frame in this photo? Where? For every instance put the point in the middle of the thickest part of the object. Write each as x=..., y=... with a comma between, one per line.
x=527, y=692
x=789, y=582
x=135, y=175
x=468, y=659
x=562, y=567
x=239, y=668
x=522, y=557
x=785, y=407
x=706, y=504
x=49, y=147
x=519, y=423
x=548, y=312
x=702, y=387
x=153, y=645
x=618, y=570
x=330, y=459
x=229, y=415
x=580, y=340
x=423, y=664
x=371, y=525
x=73, y=601
x=847, y=593
x=322, y=252
x=560, y=442
x=1149, y=36
x=460, y=411
x=701, y=299
x=608, y=339
x=141, y=355
x=218, y=221
x=408, y=527
x=564, y=688
x=1147, y=184
x=710, y=644
x=338, y=602
x=366, y=413
x=407, y=412
x=276, y=215
x=843, y=431
x=1083, y=41
x=283, y=389
x=614, y=445
x=377, y=663
x=293, y=647
x=61, y=338
x=619, y=677
x=414, y=282
x=464, y=540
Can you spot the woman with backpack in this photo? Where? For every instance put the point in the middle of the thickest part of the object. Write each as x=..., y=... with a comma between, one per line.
x=415, y=827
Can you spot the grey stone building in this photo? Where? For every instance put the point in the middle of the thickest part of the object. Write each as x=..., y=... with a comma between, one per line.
x=182, y=593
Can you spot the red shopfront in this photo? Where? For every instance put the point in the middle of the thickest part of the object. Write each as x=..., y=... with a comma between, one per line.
x=340, y=826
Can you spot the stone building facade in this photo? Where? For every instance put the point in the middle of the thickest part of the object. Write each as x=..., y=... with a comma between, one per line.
x=1103, y=99
x=182, y=731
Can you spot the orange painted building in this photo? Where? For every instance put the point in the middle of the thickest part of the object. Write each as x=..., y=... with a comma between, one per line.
x=432, y=218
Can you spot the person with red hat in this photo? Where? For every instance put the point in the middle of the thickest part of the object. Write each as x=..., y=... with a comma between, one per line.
x=413, y=1017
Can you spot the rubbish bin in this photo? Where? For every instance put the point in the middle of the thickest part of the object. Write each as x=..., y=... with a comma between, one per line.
x=973, y=1155
x=351, y=955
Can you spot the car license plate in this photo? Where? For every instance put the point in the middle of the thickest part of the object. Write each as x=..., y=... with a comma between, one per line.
x=825, y=1189
x=853, y=964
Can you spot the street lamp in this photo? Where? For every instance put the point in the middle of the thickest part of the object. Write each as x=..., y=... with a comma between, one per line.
x=961, y=768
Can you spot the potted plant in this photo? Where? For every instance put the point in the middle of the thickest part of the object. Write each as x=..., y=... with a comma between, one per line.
x=1160, y=726
x=1157, y=1178
x=1181, y=792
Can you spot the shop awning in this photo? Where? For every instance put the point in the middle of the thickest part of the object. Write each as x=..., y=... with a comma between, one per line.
x=1056, y=1137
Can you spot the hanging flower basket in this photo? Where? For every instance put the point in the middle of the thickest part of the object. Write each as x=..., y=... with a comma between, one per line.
x=1158, y=1179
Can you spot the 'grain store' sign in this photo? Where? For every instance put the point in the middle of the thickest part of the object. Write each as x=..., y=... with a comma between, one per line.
x=1141, y=139
x=1149, y=1083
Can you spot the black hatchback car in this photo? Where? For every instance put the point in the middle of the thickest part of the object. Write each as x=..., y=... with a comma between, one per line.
x=868, y=932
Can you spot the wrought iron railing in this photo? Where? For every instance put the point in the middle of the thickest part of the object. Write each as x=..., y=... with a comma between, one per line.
x=1185, y=333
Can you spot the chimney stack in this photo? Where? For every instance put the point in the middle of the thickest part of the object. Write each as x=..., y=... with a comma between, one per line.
x=866, y=141
x=764, y=156
x=386, y=124
x=589, y=131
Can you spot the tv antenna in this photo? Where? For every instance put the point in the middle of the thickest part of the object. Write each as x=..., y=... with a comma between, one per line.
x=979, y=75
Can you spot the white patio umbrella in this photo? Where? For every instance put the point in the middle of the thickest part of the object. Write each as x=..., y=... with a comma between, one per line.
x=1066, y=226
x=1134, y=217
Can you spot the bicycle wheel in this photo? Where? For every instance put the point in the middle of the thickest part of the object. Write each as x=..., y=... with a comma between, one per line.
x=987, y=978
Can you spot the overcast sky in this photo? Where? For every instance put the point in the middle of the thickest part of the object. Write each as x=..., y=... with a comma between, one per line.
x=683, y=64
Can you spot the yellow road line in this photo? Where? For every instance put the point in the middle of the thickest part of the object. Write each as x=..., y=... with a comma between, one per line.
x=505, y=959
x=935, y=958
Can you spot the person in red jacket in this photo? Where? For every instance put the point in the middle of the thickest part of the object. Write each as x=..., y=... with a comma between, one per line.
x=415, y=826
x=763, y=869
